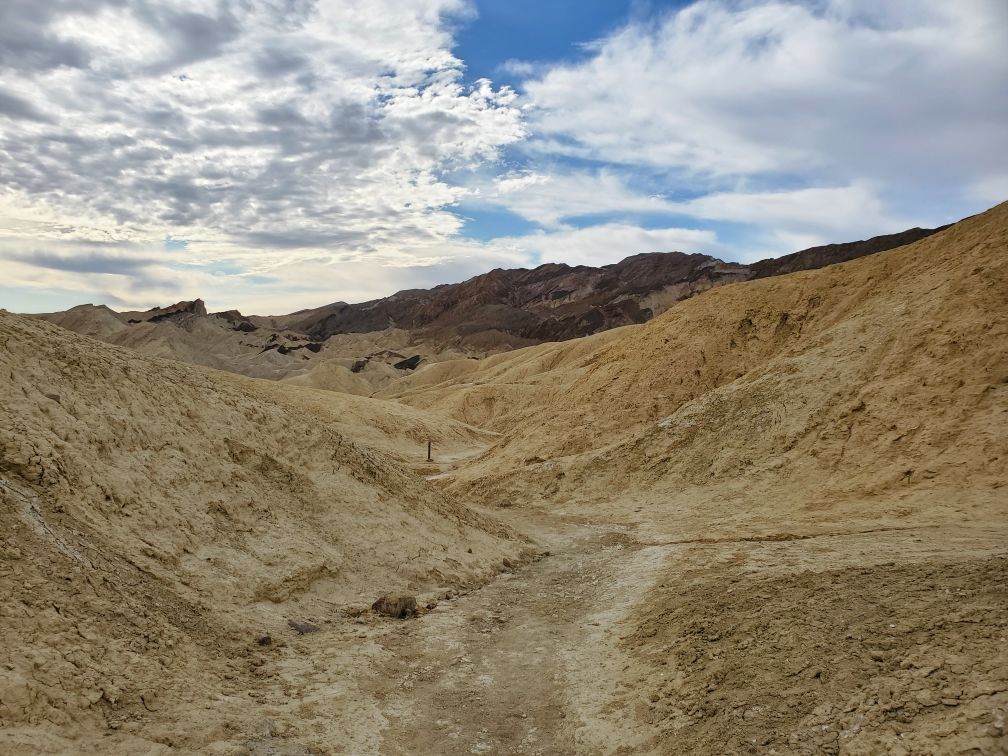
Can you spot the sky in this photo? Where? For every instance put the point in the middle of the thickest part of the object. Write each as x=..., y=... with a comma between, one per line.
x=275, y=155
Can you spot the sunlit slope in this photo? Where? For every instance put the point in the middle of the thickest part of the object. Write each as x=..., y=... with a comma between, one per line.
x=158, y=518
x=885, y=372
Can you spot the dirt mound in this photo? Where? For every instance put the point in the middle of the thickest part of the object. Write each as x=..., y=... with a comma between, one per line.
x=884, y=373
x=349, y=376
x=248, y=346
x=884, y=658
x=158, y=518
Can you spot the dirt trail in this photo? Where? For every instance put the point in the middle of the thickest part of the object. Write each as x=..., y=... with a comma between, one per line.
x=513, y=667
x=552, y=657
x=509, y=669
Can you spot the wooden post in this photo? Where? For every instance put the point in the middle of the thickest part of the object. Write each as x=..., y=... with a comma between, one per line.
x=428, y=450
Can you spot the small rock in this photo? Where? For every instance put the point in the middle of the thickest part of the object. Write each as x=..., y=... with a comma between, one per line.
x=410, y=363
x=508, y=563
x=264, y=640
x=399, y=607
x=303, y=627
x=468, y=551
x=55, y=397
x=431, y=605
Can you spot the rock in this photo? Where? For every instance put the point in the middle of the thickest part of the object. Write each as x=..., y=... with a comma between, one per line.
x=157, y=314
x=358, y=366
x=431, y=605
x=409, y=363
x=399, y=607
x=303, y=627
x=509, y=564
x=264, y=640
x=54, y=397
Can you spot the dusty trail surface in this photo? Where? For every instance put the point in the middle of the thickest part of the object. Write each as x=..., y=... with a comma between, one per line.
x=622, y=640
x=513, y=667
x=509, y=669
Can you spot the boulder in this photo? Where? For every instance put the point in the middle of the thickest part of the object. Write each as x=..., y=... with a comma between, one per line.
x=397, y=606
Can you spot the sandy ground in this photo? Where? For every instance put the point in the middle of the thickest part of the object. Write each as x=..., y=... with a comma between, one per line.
x=772, y=520
x=623, y=633
x=619, y=641
x=623, y=639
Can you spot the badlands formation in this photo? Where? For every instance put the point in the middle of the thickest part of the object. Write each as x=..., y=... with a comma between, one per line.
x=360, y=348
x=771, y=519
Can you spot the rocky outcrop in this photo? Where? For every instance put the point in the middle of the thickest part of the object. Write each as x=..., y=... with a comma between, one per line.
x=237, y=321
x=410, y=363
x=554, y=302
x=157, y=314
x=491, y=313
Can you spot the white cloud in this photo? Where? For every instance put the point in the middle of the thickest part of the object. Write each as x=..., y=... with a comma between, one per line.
x=801, y=218
x=314, y=150
x=786, y=220
x=256, y=131
x=991, y=189
x=607, y=243
x=898, y=93
x=550, y=198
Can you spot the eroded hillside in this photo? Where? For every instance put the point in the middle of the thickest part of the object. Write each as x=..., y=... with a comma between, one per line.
x=885, y=373
x=770, y=520
x=159, y=519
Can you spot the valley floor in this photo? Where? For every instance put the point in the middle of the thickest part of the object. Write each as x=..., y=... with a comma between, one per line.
x=624, y=635
x=623, y=640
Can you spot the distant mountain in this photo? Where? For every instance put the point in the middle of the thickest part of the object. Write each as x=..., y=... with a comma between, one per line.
x=508, y=308
x=360, y=344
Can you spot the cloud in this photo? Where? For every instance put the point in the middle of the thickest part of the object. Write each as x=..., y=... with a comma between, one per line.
x=838, y=90
x=314, y=150
x=250, y=129
x=86, y=262
x=13, y=106
x=785, y=220
x=607, y=243
x=29, y=43
x=800, y=218
x=550, y=199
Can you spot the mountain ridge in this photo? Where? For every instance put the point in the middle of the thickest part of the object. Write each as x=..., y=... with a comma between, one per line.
x=494, y=312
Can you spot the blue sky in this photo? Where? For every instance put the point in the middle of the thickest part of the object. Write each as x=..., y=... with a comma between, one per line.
x=533, y=31
x=282, y=155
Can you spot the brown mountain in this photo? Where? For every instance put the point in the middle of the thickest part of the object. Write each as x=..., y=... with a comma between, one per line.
x=555, y=302
x=357, y=347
